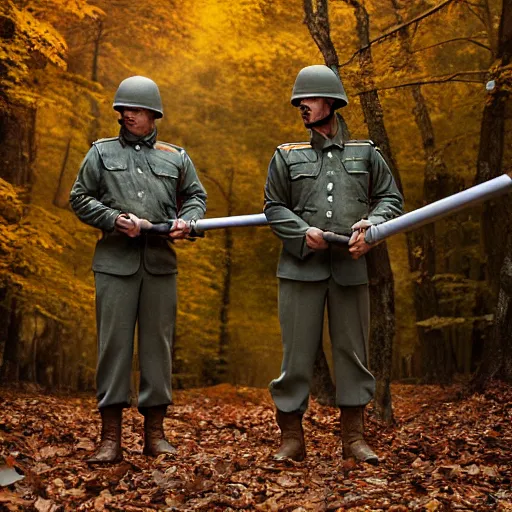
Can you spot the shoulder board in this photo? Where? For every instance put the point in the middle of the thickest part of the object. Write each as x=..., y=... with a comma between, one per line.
x=165, y=146
x=109, y=139
x=295, y=145
x=360, y=143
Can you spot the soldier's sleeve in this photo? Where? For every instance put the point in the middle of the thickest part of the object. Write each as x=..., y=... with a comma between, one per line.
x=288, y=226
x=85, y=192
x=191, y=193
x=386, y=202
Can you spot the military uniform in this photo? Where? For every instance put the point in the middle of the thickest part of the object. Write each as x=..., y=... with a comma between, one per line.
x=328, y=184
x=135, y=277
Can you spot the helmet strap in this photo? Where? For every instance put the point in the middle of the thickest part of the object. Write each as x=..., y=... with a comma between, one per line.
x=321, y=122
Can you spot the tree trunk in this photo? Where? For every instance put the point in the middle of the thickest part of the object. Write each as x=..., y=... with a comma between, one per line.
x=61, y=196
x=497, y=215
x=380, y=274
x=224, y=338
x=95, y=108
x=382, y=326
x=437, y=183
x=10, y=371
x=17, y=151
x=221, y=371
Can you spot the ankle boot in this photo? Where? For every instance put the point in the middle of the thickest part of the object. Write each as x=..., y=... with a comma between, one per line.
x=352, y=436
x=154, y=438
x=109, y=449
x=292, y=436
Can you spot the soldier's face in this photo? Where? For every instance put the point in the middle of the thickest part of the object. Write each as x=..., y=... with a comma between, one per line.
x=314, y=109
x=138, y=121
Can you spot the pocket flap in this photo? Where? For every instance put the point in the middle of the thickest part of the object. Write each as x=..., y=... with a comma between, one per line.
x=164, y=164
x=356, y=165
x=167, y=171
x=111, y=161
x=304, y=170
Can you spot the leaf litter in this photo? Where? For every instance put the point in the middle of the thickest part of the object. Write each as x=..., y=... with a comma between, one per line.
x=445, y=451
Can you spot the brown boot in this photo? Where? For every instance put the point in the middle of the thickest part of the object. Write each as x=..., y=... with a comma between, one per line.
x=154, y=438
x=352, y=436
x=292, y=436
x=109, y=449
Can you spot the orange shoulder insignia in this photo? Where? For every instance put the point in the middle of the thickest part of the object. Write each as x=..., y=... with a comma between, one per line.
x=295, y=145
x=164, y=146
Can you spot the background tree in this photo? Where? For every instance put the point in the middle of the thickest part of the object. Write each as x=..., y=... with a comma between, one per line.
x=493, y=153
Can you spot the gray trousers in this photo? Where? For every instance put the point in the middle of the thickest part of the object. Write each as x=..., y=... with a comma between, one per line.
x=121, y=301
x=301, y=315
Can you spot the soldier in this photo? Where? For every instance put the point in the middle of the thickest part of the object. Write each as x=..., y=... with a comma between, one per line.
x=326, y=184
x=121, y=181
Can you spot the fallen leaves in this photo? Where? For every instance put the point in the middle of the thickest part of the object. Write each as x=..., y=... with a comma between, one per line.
x=443, y=453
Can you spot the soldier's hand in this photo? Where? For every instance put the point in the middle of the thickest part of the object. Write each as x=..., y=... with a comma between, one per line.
x=180, y=229
x=315, y=239
x=357, y=244
x=129, y=224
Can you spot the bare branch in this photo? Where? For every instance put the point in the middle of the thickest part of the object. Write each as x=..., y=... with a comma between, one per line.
x=471, y=8
x=398, y=28
x=217, y=183
x=469, y=39
x=454, y=77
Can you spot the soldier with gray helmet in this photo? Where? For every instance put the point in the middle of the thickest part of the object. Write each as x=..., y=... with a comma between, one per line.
x=123, y=181
x=325, y=185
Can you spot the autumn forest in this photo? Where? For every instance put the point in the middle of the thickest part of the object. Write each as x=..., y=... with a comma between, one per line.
x=428, y=81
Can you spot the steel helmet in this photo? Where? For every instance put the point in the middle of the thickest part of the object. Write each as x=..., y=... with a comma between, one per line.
x=318, y=81
x=139, y=92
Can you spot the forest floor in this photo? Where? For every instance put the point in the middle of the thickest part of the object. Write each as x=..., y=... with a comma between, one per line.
x=446, y=451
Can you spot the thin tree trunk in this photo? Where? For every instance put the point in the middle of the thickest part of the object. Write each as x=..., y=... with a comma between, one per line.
x=224, y=338
x=221, y=373
x=95, y=108
x=61, y=196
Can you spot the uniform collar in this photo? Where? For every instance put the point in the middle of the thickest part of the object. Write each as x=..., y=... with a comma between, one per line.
x=128, y=138
x=319, y=142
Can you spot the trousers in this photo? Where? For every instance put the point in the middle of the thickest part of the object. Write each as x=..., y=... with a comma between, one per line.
x=301, y=315
x=122, y=302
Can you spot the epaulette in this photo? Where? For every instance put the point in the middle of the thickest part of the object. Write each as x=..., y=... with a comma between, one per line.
x=360, y=143
x=295, y=145
x=165, y=146
x=109, y=139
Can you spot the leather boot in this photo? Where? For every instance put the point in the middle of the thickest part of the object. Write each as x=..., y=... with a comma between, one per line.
x=109, y=449
x=352, y=436
x=292, y=436
x=154, y=438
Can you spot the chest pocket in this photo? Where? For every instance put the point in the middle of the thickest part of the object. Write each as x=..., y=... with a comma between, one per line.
x=164, y=166
x=303, y=164
x=357, y=169
x=112, y=161
x=356, y=165
x=167, y=177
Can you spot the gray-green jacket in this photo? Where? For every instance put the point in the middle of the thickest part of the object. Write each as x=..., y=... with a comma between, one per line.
x=156, y=182
x=328, y=184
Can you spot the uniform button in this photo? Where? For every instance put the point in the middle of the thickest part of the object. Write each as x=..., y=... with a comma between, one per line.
x=139, y=170
x=140, y=194
x=329, y=198
x=330, y=186
x=137, y=147
x=329, y=154
x=328, y=214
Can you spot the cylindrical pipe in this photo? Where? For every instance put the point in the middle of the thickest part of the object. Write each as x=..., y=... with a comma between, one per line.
x=255, y=219
x=439, y=209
